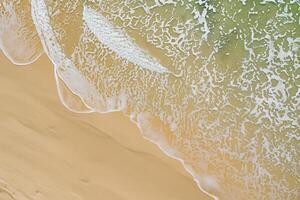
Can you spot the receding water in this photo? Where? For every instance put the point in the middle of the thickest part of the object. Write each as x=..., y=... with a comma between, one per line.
x=214, y=83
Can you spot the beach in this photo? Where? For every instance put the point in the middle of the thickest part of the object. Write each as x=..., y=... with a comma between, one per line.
x=48, y=152
x=149, y=100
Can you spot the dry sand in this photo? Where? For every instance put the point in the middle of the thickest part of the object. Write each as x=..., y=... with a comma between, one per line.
x=50, y=153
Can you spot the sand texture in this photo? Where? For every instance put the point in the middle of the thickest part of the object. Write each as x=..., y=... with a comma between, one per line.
x=50, y=153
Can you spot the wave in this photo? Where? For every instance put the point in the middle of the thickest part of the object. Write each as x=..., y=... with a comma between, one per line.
x=214, y=85
x=18, y=40
x=118, y=41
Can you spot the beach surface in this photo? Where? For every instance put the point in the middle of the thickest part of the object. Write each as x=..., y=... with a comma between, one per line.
x=50, y=153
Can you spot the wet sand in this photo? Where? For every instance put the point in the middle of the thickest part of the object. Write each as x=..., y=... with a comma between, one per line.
x=50, y=153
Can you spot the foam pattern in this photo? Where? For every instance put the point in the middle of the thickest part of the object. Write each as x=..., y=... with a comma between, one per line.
x=214, y=83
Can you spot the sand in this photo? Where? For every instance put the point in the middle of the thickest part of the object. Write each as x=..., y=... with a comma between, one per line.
x=50, y=153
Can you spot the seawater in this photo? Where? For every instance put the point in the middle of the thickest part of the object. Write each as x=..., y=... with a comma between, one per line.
x=214, y=83
x=18, y=38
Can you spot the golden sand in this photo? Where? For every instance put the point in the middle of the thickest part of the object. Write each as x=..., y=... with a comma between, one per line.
x=48, y=152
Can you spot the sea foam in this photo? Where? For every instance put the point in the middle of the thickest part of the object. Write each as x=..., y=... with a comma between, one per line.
x=117, y=40
x=231, y=116
x=18, y=37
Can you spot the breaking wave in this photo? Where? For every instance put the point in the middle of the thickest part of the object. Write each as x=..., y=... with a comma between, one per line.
x=214, y=84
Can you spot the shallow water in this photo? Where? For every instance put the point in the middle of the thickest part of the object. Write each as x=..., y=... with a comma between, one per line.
x=18, y=38
x=214, y=84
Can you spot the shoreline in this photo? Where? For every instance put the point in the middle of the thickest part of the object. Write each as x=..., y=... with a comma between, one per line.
x=31, y=149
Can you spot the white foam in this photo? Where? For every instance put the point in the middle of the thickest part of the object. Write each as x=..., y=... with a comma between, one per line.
x=155, y=135
x=71, y=101
x=18, y=49
x=117, y=40
x=64, y=67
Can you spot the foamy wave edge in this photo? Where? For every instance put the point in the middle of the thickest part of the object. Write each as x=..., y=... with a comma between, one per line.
x=80, y=88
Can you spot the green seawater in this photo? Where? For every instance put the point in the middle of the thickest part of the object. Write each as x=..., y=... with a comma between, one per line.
x=227, y=102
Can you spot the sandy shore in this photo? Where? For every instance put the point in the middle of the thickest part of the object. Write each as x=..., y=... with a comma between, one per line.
x=50, y=153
